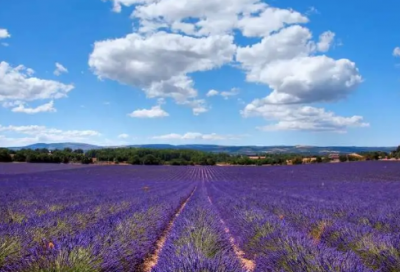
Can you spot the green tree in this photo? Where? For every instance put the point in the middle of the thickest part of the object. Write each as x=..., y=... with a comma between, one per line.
x=150, y=160
x=86, y=160
x=343, y=158
x=134, y=160
x=5, y=156
x=211, y=161
x=19, y=156
x=297, y=160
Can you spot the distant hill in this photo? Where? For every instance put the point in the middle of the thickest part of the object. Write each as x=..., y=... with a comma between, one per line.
x=58, y=146
x=249, y=150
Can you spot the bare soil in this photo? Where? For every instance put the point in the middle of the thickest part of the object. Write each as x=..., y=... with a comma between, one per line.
x=152, y=260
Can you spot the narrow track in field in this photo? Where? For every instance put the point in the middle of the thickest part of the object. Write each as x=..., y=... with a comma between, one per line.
x=247, y=264
x=152, y=260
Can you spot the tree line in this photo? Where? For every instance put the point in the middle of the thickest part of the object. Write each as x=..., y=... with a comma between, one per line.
x=146, y=156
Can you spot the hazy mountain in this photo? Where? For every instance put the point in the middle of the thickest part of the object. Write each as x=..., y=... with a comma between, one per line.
x=220, y=148
x=58, y=146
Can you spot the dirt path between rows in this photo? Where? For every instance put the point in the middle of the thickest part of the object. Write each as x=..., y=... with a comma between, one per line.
x=152, y=260
x=247, y=264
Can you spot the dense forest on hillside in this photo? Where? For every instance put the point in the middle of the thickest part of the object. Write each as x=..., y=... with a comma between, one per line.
x=148, y=156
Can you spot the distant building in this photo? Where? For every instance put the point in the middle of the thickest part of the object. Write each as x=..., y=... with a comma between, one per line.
x=334, y=156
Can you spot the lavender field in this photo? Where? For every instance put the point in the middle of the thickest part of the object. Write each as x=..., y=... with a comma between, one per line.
x=325, y=217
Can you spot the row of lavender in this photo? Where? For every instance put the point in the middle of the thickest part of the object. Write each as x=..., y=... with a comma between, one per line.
x=87, y=219
x=313, y=218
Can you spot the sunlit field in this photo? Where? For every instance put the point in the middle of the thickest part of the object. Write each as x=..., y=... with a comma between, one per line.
x=326, y=217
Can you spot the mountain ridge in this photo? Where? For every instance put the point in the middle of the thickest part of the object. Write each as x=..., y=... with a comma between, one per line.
x=245, y=149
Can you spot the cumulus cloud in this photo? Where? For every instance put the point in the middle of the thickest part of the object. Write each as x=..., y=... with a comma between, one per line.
x=123, y=136
x=48, y=107
x=196, y=136
x=4, y=33
x=268, y=21
x=154, y=112
x=325, y=41
x=33, y=134
x=285, y=62
x=18, y=85
x=396, y=52
x=60, y=69
x=159, y=63
x=213, y=17
x=306, y=118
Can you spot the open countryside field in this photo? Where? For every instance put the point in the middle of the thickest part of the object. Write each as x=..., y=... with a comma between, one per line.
x=325, y=217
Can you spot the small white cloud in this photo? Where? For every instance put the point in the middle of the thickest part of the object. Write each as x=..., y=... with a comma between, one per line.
x=4, y=33
x=224, y=94
x=107, y=103
x=212, y=93
x=312, y=10
x=161, y=101
x=60, y=69
x=232, y=92
x=154, y=112
x=5, y=44
x=396, y=52
x=325, y=41
x=123, y=136
x=48, y=107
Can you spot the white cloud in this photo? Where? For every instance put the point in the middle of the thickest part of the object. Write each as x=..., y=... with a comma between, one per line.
x=396, y=52
x=48, y=107
x=224, y=94
x=154, y=112
x=310, y=79
x=19, y=84
x=312, y=10
x=232, y=92
x=198, y=106
x=159, y=63
x=325, y=41
x=117, y=4
x=123, y=136
x=268, y=21
x=212, y=93
x=252, y=17
x=107, y=103
x=5, y=44
x=306, y=118
x=196, y=136
x=4, y=33
x=285, y=62
x=211, y=17
x=60, y=69
x=34, y=134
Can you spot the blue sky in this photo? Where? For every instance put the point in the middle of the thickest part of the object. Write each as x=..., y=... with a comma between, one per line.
x=238, y=72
